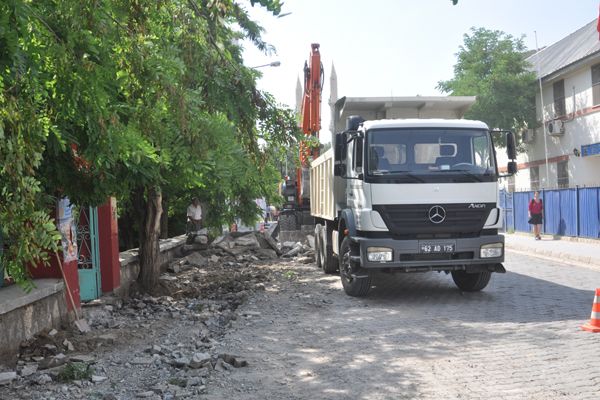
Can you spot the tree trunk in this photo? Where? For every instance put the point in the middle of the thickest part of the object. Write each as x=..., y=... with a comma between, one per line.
x=164, y=219
x=151, y=207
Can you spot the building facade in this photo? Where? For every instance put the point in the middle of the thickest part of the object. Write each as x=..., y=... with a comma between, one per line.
x=564, y=150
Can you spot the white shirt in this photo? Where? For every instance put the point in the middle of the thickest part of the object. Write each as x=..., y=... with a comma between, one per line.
x=194, y=212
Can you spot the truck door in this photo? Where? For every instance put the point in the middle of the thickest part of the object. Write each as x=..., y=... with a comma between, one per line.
x=354, y=187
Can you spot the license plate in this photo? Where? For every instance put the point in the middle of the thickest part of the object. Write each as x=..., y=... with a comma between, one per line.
x=436, y=247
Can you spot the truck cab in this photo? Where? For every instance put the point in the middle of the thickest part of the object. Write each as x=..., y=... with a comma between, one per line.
x=412, y=195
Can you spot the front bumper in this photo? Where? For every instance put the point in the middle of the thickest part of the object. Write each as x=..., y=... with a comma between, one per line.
x=406, y=254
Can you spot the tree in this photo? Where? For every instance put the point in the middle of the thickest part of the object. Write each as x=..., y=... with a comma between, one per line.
x=153, y=96
x=491, y=65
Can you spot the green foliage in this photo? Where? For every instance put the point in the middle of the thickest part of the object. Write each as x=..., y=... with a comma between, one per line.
x=117, y=97
x=75, y=371
x=491, y=65
x=26, y=77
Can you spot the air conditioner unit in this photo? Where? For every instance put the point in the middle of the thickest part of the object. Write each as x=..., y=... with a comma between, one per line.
x=528, y=135
x=556, y=127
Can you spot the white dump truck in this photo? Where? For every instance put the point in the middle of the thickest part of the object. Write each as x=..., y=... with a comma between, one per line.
x=409, y=195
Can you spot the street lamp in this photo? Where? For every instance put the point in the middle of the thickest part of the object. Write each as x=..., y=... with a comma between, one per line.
x=271, y=64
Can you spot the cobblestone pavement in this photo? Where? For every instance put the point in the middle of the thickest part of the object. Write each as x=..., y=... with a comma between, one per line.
x=418, y=337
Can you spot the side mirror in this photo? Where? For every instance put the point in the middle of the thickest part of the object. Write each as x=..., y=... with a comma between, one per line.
x=511, y=167
x=511, y=148
x=339, y=170
x=353, y=122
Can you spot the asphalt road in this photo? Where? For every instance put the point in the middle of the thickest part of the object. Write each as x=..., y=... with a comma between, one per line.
x=418, y=337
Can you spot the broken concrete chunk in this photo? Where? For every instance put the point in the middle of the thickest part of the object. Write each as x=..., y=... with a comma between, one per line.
x=50, y=347
x=266, y=254
x=155, y=349
x=7, y=377
x=199, y=360
x=196, y=259
x=52, y=362
x=29, y=369
x=42, y=379
x=201, y=239
x=98, y=378
x=247, y=241
x=295, y=251
x=174, y=268
x=181, y=362
x=68, y=345
x=142, y=360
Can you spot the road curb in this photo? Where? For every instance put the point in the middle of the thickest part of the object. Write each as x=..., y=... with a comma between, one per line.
x=587, y=261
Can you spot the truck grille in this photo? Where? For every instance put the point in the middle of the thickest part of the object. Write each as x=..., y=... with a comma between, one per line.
x=414, y=219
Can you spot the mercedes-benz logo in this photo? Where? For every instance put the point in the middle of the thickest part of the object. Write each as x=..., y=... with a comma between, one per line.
x=437, y=214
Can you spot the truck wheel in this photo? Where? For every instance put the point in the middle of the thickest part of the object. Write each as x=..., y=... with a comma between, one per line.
x=356, y=282
x=471, y=282
x=318, y=257
x=287, y=222
x=321, y=248
x=330, y=262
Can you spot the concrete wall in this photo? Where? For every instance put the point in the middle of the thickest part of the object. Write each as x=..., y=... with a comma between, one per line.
x=170, y=249
x=23, y=315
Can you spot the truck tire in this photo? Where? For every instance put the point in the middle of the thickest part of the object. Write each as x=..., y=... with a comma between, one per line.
x=321, y=249
x=356, y=281
x=471, y=282
x=287, y=222
x=318, y=254
x=330, y=261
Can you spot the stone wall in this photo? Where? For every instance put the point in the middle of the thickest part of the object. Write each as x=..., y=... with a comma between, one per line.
x=170, y=249
x=23, y=315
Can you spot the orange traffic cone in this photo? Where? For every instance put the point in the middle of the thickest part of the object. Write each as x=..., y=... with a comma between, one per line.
x=594, y=324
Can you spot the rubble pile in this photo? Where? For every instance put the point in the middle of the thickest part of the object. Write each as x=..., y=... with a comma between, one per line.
x=198, y=293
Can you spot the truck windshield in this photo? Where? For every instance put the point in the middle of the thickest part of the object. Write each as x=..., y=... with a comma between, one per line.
x=426, y=155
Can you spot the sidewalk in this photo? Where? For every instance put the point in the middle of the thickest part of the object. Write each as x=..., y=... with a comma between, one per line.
x=584, y=252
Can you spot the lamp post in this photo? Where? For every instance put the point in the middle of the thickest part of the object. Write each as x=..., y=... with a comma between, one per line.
x=271, y=64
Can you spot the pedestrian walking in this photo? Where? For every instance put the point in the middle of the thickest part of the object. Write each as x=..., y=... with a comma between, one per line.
x=536, y=214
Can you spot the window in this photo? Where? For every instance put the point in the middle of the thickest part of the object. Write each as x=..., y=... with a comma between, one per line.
x=562, y=172
x=358, y=155
x=429, y=155
x=534, y=178
x=558, y=89
x=596, y=84
x=481, y=151
x=426, y=153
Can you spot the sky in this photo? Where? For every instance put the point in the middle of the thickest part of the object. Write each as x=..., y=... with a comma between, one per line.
x=395, y=47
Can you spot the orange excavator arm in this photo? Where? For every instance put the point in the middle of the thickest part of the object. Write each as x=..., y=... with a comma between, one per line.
x=313, y=85
x=310, y=114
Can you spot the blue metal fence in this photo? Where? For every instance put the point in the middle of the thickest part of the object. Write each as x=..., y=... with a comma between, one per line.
x=567, y=212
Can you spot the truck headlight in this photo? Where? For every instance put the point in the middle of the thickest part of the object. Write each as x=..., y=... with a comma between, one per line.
x=492, y=250
x=379, y=254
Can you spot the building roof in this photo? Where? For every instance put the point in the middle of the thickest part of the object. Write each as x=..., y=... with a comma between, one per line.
x=568, y=51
